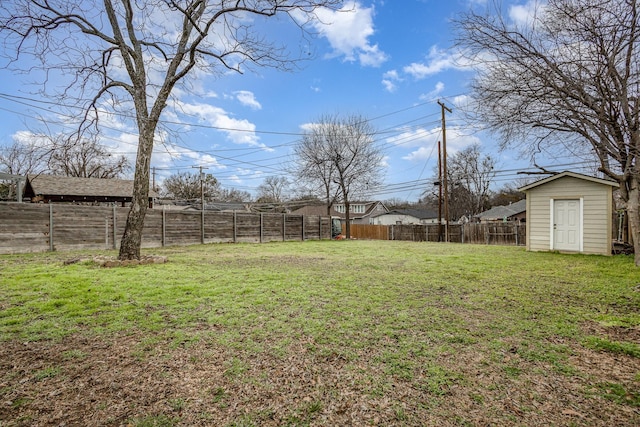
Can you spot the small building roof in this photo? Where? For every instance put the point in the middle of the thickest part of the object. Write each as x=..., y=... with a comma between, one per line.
x=416, y=213
x=70, y=188
x=499, y=212
x=569, y=174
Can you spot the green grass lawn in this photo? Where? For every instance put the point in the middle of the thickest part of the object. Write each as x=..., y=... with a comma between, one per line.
x=328, y=333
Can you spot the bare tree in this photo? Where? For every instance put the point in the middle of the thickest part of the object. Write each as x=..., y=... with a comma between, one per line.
x=188, y=186
x=340, y=155
x=24, y=157
x=316, y=175
x=133, y=54
x=85, y=158
x=273, y=189
x=568, y=75
x=470, y=174
x=233, y=195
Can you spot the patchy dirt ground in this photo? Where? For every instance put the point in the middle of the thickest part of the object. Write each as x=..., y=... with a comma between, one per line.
x=136, y=380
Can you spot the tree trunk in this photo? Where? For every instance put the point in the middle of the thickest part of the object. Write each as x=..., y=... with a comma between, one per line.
x=633, y=212
x=132, y=237
x=347, y=222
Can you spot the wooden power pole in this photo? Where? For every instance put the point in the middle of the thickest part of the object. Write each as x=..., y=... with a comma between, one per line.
x=439, y=192
x=444, y=170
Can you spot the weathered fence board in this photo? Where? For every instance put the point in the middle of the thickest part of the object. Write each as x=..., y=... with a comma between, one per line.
x=26, y=227
x=483, y=233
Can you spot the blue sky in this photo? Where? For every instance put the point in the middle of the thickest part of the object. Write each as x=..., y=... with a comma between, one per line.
x=388, y=61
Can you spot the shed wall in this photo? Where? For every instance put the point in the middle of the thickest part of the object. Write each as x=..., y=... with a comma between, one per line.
x=596, y=215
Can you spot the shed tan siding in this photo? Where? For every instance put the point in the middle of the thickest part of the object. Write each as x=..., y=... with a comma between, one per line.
x=596, y=215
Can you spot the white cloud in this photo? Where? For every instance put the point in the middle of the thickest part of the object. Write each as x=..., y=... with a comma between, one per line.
x=390, y=79
x=457, y=139
x=524, y=15
x=438, y=89
x=248, y=99
x=348, y=31
x=415, y=137
x=437, y=61
x=238, y=131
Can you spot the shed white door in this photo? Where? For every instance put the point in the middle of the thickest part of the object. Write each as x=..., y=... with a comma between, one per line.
x=566, y=225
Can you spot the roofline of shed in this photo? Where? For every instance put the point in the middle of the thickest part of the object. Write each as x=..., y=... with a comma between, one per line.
x=572, y=175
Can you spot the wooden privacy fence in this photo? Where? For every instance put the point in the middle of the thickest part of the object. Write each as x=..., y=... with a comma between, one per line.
x=484, y=233
x=31, y=227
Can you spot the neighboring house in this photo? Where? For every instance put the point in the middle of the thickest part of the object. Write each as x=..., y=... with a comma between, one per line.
x=570, y=212
x=68, y=189
x=406, y=216
x=514, y=212
x=361, y=212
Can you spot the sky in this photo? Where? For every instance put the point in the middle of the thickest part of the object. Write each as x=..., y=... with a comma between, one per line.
x=387, y=61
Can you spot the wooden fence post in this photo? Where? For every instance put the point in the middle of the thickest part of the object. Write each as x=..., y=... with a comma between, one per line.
x=284, y=227
x=202, y=225
x=50, y=226
x=261, y=225
x=235, y=228
x=115, y=233
x=164, y=226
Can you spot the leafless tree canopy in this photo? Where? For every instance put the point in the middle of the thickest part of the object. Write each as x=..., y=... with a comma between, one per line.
x=340, y=158
x=569, y=75
x=274, y=189
x=470, y=176
x=190, y=186
x=86, y=158
x=57, y=155
x=129, y=56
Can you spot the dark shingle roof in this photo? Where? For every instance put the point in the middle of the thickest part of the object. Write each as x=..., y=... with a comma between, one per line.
x=499, y=212
x=72, y=186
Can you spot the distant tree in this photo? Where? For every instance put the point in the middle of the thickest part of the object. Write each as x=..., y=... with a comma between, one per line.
x=470, y=176
x=274, y=189
x=396, y=203
x=506, y=195
x=232, y=195
x=25, y=157
x=341, y=158
x=187, y=186
x=568, y=77
x=85, y=158
x=133, y=54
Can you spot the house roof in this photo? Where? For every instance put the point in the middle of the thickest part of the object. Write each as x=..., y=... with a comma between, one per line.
x=499, y=212
x=50, y=185
x=572, y=175
x=416, y=213
x=321, y=210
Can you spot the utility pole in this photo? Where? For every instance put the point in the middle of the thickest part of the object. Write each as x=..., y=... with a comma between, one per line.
x=444, y=168
x=153, y=183
x=439, y=193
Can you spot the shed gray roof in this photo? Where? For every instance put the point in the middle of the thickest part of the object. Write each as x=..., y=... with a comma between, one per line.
x=499, y=212
x=570, y=174
x=50, y=185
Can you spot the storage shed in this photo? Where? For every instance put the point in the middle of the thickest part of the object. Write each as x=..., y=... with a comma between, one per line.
x=570, y=212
